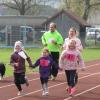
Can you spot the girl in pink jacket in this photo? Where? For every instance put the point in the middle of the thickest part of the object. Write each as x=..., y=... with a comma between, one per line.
x=73, y=35
x=69, y=60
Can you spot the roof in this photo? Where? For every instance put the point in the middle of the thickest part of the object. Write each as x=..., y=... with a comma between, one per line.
x=22, y=20
x=38, y=20
x=69, y=13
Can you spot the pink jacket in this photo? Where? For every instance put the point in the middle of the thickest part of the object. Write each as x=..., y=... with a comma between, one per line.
x=70, y=60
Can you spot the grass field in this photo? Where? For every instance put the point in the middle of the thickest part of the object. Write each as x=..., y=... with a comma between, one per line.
x=88, y=54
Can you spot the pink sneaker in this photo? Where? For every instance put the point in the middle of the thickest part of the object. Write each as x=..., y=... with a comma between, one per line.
x=68, y=90
x=72, y=91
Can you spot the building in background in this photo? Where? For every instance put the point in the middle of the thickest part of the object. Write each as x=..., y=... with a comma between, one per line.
x=11, y=26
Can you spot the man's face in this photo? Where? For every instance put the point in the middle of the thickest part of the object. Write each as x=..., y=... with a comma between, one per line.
x=52, y=27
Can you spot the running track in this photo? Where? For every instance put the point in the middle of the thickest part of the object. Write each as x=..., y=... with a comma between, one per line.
x=88, y=87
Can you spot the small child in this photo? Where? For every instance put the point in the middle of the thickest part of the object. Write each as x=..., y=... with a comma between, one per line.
x=17, y=60
x=44, y=62
x=2, y=70
x=69, y=60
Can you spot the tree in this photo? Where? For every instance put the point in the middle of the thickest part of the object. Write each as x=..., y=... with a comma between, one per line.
x=23, y=6
x=81, y=7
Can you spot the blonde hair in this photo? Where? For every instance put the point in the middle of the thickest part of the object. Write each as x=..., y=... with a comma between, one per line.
x=70, y=42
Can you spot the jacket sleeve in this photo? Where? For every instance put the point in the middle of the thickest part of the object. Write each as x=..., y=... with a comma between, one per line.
x=81, y=61
x=43, y=40
x=12, y=62
x=79, y=45
x=28, y=59
x=59, y=39
x=36, y=64
x=61, y=59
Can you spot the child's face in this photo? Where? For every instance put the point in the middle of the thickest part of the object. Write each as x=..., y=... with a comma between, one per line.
x=45, y=53
x=72, y=45
x=18, y=48
x=72, y=33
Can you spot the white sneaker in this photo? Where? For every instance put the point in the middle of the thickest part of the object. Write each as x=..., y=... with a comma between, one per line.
x=43, y=93
x=20, y=93
x=0, y=78
x=46, y=93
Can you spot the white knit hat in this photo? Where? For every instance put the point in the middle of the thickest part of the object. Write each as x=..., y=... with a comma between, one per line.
x=18, y=43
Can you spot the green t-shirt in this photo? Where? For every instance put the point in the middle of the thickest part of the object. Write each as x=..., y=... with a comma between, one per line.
x=47, y=40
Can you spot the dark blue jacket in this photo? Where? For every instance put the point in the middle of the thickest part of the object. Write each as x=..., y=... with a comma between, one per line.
x=45, y=63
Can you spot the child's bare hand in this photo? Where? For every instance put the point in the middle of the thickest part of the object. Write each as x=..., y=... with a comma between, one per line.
x=16, y=64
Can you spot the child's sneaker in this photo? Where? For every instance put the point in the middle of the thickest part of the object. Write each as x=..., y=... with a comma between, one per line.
x=43, y=93
x=68, y=90
x=72, y=91
x=20, y=93
x=46, y=92
x=53, y=78
x=0, y=78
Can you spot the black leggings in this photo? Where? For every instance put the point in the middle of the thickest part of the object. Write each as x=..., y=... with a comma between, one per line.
x=72, y=77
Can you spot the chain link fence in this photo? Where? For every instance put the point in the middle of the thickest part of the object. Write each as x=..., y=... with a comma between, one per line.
x=31, y=37
x=27, y=34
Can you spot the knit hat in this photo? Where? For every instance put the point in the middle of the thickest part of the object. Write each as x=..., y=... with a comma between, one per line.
x=18, y=43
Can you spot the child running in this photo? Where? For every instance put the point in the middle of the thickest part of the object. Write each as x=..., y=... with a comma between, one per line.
x=17, y=60
x=68, y=61
x=44, y=62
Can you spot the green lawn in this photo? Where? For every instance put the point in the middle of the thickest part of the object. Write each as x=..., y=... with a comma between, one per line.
x=91, y=54
x=88, y=54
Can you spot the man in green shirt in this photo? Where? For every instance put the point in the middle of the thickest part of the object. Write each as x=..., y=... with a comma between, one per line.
x=52, y=39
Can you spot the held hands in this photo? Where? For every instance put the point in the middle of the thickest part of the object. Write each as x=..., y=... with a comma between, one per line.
x=30, y=67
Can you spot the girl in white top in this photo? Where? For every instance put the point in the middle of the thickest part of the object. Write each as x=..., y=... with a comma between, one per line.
x=73, y=35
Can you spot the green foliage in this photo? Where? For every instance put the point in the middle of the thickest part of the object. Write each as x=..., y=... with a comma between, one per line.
x=81, y=7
